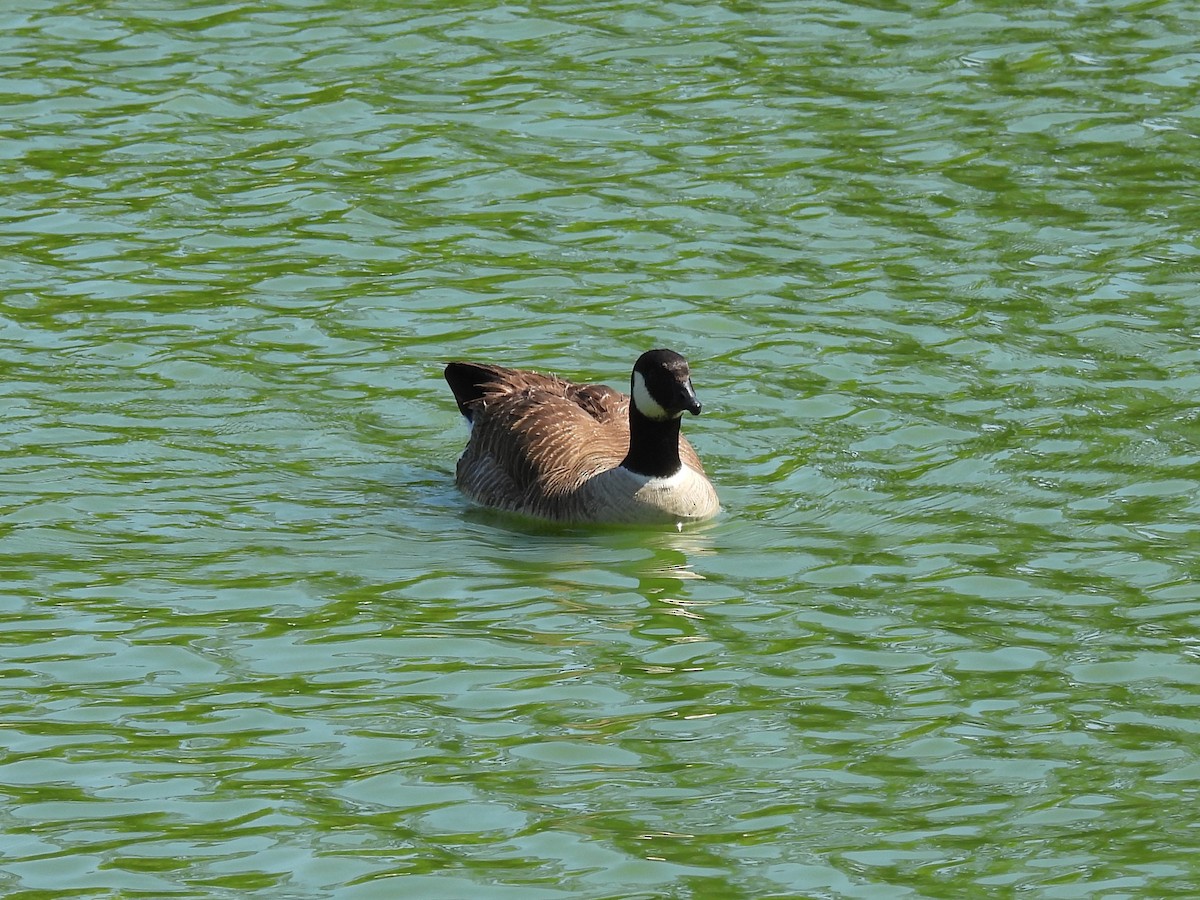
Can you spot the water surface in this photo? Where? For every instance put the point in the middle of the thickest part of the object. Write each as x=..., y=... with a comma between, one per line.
x=935, y=268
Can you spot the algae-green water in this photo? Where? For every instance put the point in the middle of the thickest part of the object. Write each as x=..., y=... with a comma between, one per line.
x=935, y=267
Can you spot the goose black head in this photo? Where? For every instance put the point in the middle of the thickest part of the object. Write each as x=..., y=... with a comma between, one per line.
x=662, y=386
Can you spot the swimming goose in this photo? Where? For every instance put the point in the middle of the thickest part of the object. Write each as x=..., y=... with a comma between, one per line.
x=552, y=449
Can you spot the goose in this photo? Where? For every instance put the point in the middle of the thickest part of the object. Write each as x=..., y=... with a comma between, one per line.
x=551, y=449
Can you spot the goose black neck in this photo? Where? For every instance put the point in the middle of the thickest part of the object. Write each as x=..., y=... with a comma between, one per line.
x=653, y=446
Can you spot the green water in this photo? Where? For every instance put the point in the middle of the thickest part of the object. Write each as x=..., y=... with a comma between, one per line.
x=935, y=266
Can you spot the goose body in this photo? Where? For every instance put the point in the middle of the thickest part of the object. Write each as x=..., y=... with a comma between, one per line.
x=549, y=448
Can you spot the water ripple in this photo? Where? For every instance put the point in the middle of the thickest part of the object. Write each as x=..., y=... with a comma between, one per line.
x=935, y=274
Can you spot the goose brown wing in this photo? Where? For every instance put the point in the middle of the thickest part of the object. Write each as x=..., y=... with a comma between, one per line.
x=688, y=455
x=537, y=441
x=472, y=382
x=602, y=403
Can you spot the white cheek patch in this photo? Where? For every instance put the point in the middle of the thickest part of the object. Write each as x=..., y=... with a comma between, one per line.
x=647, y=405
